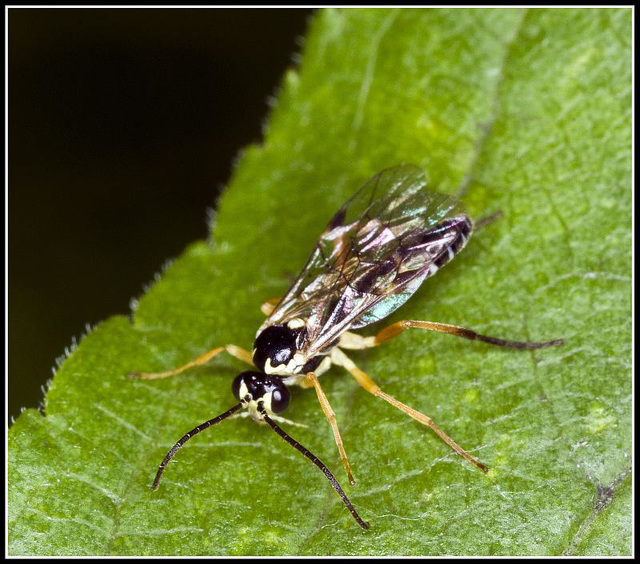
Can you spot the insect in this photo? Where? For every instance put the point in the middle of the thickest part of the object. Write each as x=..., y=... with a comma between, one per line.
x=373, y=255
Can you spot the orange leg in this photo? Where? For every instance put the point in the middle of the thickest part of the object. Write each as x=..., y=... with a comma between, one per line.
x=353, y=341
x=368, y=384
x=312, y=379
x=233, y=350
x=268, y=306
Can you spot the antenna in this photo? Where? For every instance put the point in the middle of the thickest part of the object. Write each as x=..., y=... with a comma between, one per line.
x=295, y=444
x=190, y=434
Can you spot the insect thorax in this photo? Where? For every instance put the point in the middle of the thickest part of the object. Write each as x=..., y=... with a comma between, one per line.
x=279, y=350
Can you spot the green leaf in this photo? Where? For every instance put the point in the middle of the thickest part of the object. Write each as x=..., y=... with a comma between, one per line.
x=531, y=113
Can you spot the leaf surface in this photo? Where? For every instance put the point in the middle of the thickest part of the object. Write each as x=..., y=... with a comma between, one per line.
x=525, y=112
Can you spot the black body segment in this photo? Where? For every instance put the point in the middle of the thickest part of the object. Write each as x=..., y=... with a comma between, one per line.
x=276, y=344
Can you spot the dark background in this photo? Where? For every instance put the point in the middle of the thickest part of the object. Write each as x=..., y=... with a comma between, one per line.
x=123, y=127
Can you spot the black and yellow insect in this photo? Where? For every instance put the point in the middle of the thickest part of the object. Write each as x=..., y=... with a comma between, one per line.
x=374, y=254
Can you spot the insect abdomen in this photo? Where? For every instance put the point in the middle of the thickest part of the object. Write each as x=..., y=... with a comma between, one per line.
x=457, y=230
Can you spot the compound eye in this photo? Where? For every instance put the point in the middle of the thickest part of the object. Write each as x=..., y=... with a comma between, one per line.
x=280, y=399
x=235, y=387
x=246, y=383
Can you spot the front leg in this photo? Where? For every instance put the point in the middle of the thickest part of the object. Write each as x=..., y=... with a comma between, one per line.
x=312, y=380
x=233, y=350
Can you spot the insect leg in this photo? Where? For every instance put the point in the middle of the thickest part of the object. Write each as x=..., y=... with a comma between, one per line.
x=352, y=341
x=331, y=417
x=233, y=350
x=368, y=384
x=355, y=342
x=268, y=306
x=321, y=465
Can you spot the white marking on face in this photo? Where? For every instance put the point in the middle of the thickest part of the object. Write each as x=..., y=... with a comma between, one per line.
x=266, y=399
x=451, y=253
x=243, y=389
x=252, y=404
x=252, y=407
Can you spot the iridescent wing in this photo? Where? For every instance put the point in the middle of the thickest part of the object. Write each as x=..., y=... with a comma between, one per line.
x=373, y=255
